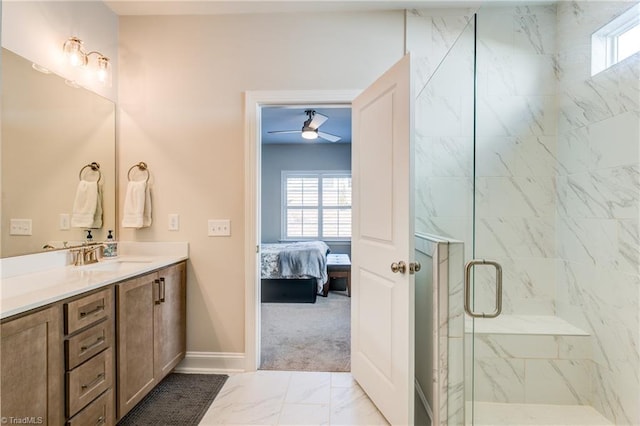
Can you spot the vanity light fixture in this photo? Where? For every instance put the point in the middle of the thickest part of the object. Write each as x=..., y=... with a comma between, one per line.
x=77, y=57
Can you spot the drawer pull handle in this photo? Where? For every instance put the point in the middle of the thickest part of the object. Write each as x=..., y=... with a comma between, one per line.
x=98, y=342
x=95, y=311
x=94, y=383
x=100, y=420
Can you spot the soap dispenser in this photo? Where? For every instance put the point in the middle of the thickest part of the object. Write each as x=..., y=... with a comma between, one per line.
x=110, y=246
x=89, y=237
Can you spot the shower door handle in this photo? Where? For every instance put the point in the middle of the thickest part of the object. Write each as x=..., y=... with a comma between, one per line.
x=467, y=288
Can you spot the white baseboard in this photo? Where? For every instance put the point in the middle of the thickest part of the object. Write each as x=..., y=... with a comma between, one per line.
x=212, y=363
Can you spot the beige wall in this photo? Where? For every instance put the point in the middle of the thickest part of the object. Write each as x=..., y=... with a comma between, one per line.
x=182, y=82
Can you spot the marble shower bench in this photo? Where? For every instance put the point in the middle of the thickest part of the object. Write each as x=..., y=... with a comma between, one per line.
x=530, y=359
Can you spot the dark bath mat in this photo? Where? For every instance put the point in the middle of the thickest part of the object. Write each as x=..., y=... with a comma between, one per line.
x=179, y=399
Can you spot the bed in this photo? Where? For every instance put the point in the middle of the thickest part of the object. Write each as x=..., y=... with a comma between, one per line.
x=294, y=272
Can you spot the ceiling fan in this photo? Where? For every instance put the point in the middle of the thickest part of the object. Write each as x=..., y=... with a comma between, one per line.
x=310, y=127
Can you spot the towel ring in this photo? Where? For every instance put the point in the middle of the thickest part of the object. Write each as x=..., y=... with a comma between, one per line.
x=142, y=166
x=94, y=167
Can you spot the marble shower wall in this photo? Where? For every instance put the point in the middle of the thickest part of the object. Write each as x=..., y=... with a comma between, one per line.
x=598, y=206
x=516, y=160
x=444, y=121
x=558, y=173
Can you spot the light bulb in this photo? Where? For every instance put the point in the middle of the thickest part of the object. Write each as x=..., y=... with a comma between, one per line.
x=104, y=71
x=72, y=49
x=309, y=134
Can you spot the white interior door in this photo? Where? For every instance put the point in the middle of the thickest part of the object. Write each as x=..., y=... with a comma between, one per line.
x=382, y=318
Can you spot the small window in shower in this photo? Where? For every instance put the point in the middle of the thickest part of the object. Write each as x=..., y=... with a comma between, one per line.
x=616, y=41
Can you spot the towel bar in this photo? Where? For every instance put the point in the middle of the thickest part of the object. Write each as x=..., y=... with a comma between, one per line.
x=142, y=166
x=94, y=167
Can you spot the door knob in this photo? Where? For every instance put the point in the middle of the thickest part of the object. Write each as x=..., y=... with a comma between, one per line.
x=414, y=267
x=399, y=267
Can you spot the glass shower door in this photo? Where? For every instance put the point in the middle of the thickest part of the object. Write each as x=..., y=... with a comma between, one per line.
x=444, y=165
x=514, y=210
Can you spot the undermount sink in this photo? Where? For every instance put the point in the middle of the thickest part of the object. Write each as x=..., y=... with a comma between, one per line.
x=115, y=264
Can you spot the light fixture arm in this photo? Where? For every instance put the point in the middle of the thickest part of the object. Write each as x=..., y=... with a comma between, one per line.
x=94, y=52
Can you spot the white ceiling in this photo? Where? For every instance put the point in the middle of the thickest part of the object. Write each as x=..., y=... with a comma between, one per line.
x=217, y=7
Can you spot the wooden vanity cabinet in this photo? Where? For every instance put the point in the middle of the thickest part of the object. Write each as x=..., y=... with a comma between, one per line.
x=151, y=332
x=32, y=368
x=90, y=358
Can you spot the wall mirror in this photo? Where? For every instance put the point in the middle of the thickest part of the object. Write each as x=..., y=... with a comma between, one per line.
x=50, y=130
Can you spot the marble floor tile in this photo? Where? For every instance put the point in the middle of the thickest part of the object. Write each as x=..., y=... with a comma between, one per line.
x=304, y=414
x=292, y=398
x=342, y=380
x=351, y=406
x=309, y=388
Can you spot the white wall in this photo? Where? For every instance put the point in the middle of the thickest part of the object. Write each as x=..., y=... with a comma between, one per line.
x=182, y=85
x=36, y=30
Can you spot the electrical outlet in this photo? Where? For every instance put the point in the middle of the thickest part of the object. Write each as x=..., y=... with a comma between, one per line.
x=65, y=221
x=174, y=222
x=20, y=227
x=219, y=228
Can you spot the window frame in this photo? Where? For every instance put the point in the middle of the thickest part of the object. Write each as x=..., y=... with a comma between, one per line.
x=604, y=41
x=319, y=174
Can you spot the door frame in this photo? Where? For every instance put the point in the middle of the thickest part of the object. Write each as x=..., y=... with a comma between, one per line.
x=254, y=101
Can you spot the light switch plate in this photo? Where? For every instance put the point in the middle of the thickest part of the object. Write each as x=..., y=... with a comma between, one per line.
x=65, y=221
x=20, y=227
x=174, y=222
x=219, y=227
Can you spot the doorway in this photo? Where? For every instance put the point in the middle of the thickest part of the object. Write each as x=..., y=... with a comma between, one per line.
x=256, y=102
x=305, y=206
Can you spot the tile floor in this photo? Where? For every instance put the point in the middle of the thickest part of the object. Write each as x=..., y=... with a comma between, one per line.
x=312, y=398
x=292, y=398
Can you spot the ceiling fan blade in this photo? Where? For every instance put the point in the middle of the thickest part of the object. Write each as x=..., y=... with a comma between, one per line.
x=285, y=131
x=328, y=136
x=317, y=120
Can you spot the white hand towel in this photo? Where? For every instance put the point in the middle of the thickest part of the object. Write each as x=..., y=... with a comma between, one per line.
x=97, y=216
x=137, y=205
x=146, y=216
x=85, y=205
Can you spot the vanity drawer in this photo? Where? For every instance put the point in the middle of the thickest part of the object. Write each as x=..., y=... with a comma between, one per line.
x=99, y=412
x=89, y=380
x=86, y=344
x=85, y=311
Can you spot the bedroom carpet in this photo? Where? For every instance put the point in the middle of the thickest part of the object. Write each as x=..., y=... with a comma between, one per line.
x=179, y=399
x=307, y=336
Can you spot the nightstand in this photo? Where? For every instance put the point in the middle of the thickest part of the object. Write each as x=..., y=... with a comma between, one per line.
x=339, y=266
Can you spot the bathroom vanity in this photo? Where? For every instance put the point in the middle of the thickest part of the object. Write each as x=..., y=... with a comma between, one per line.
x=84, y=344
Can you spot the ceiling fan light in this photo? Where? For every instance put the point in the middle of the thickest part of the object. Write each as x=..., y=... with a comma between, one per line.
x=309, y=134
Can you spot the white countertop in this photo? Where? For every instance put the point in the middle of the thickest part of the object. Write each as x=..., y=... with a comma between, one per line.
x=25, y=291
